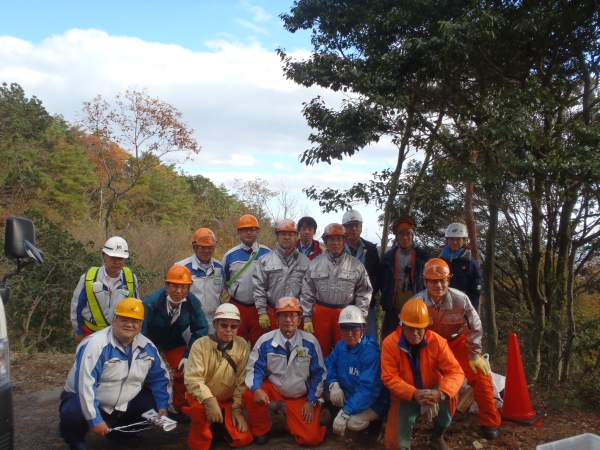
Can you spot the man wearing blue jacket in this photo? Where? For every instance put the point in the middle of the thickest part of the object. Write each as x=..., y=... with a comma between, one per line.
x=170, y=313
x=354, y=375
x=465, y=270
x=118, y=375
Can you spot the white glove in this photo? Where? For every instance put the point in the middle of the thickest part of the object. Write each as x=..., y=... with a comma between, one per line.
x=336, y=395
x=182, y=363
x=431, y=411
x=339, y=424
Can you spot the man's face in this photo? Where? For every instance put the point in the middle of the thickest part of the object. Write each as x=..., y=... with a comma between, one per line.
x=335, y=245
x=405, y=239
x=352, y=334
x=307, y=234
x=126, y=328
x=248, y=235
x=353, y=230
x=437, y=288
x=204, y=254
x=413, y=335
x=288, y=322
x=286, y=240
x=455, y=243
x=227, y=330
x=178, y=291
x=113, y=265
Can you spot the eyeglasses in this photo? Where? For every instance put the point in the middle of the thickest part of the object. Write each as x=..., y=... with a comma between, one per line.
x=178, y=287
x=350, y=330
x=291, y=315
x=125, y=320
x=442, y=282
x=233, y=326
x=248, y=230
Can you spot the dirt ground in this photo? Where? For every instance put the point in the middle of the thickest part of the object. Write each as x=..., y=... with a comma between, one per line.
x=39, y=379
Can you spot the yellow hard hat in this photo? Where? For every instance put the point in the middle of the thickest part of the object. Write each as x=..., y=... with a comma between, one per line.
x=130, y=307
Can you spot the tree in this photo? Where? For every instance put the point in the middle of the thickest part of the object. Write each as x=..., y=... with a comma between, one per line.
x=147, y=128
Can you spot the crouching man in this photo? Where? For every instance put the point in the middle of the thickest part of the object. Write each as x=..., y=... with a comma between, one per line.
x=215, y=380
x=354, y=375
x=117, y=376
x=286, y=371
x=422, y=374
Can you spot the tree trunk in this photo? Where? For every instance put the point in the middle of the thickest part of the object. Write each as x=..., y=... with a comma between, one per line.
x=491, y=330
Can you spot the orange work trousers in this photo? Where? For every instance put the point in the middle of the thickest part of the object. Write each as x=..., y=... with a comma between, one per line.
x=481, y=384
x=250, y=328
x=200, y=436
x=260, y=424
x=327, y=329
x=174, y=357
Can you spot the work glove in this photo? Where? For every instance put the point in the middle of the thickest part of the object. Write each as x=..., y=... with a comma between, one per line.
x=213, y=410
x=264, y=321
x=431, y=411
x=308, y=327
x=339, y=423
x=225, y=297
x=480, y=364
x=182, y=363
x=336, y=395
x=239, y=421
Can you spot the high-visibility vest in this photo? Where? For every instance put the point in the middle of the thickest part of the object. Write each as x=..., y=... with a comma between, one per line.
x=99, y=319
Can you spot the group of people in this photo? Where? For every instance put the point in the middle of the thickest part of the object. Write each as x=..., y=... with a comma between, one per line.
x=292, y=330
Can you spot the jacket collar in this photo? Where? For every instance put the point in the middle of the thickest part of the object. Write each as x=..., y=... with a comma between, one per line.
x=404, y=345
x=281, y=253
x=161, y=304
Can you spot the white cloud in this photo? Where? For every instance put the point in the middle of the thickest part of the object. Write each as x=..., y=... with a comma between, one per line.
x=251, y=26
x=260, y=15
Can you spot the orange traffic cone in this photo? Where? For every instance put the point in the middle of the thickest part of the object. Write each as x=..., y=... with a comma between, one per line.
x=517, y=403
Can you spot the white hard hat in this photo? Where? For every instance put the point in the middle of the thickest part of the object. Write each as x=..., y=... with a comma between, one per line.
x=351, y=314
x=116, y=247
x=351, y=216
x=227, y=311
x=457, y=229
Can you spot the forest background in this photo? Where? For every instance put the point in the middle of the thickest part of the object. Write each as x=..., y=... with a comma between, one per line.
x=499, y=99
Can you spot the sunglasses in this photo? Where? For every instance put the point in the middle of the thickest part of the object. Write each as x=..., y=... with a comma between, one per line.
x=233, y=326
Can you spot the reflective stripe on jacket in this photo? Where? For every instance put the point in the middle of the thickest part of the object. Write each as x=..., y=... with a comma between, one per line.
x=358, y=372
x=453, y=316
x=273, y=278
x=299, y=377
x=208, y=374
x=435, y=358
x=102, y=376
x=233, y=261
x=207, y=286
x=338, y=281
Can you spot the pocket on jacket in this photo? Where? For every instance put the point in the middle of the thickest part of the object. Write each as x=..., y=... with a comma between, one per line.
x=452, y=319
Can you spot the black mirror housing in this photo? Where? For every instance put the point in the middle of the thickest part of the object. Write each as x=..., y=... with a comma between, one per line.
x=18, y=231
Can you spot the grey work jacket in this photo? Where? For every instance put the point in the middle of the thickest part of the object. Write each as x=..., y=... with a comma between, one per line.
x=273, y=278
x=453, y=316
x=338, y=282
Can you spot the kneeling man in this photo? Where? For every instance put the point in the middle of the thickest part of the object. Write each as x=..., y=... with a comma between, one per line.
x=286, y=371
x=215, y=380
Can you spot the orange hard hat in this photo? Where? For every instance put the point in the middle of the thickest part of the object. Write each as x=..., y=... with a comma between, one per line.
x=334, y=229
x=204, y=238
x=248, y=221
x=286, y=225
x=436, y=269
x=130, y=307
x=403, y=223
x=414, y=314
x=288, y=304
x=179, y=275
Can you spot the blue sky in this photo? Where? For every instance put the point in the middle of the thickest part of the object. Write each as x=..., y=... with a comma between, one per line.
x=214, y=60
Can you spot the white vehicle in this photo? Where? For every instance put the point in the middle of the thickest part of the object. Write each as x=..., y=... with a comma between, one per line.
x=19, y=243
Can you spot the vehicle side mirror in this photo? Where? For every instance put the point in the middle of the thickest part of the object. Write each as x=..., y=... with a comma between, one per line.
x=20, y=240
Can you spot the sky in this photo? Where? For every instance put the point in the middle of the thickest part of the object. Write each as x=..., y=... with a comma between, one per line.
x=215, y=61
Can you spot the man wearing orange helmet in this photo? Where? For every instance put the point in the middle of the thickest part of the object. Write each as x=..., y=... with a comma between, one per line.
x=169, y=312
x=400, y=272
x=454, y=318
x=422, y=374
x=207, y=273
x=332, y=282
x=239, y=264
x=286, y=372
x=278, y=274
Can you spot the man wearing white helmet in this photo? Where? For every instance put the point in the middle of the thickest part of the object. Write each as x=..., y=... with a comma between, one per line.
x=354, y=375
x=278, y=274
x=366, y=252
x=100, y=289
x=465, y=270
x=215, y=381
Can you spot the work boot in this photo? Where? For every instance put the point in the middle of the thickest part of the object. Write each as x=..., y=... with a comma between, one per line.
x=436, y=442
x=491, y=433
x=262, y=440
